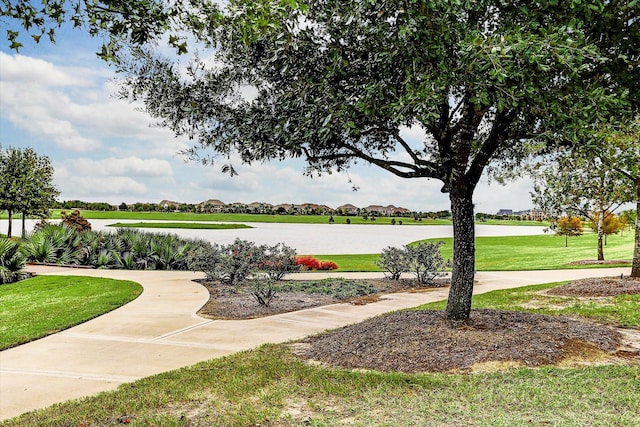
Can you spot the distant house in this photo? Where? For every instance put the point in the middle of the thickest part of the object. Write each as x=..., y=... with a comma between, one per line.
x=532, y=215
x=282, y=208
x=507, y=212
x=326, y=210
x=211, y=206
x=259, y=208
x=348, y=209
x=389, y=210
x=169, y=205
x=528, y=214
x=236, y=207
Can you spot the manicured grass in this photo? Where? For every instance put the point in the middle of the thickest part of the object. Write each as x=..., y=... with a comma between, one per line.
x=184, y=225
x=355, y=262
x=512, y=253
x=43, y=305
x=268, y=386
x=621, y=310
x=542, y=252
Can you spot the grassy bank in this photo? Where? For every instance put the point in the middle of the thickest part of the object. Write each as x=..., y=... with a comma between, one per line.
x=182, y=225
x=269, y=386
x=36, y=307
x=511, y=253
x=620, y=310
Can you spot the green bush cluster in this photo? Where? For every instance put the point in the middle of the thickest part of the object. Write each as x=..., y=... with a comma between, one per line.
x=124, y=249
x=424, y=260
x=12, y=261
x=245, y=263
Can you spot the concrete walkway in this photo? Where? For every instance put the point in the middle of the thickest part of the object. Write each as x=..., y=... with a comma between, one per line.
x=160, y=331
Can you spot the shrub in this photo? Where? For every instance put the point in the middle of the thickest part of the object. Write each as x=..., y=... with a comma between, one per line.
x=308, y=262
x=311, y=263
x=263, y=290
x=239, y=260
x=278, y=261
x=426, y=261
x=231, y=264
x=205, y=257
x=75, y=220
x=327, y=265
x=394, y=261
x=11, y=261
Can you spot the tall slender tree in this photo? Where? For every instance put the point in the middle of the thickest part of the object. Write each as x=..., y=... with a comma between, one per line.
x=581, y=183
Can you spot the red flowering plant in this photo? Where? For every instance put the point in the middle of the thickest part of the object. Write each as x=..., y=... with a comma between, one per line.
x=311, y=263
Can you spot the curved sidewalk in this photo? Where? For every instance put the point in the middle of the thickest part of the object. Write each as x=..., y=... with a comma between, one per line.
x=160, y=331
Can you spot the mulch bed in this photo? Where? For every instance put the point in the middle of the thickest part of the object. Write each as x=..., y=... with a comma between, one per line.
x=603, y=287
x=421, y=341
x=227, y=302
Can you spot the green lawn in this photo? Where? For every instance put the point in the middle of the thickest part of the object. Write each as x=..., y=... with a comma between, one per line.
x=542, y=252
x=621, y=310
x=183, y=225
x=269, y=386
x=511, y=253
x=43, y=305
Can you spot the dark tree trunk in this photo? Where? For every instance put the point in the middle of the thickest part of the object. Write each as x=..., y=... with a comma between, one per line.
x=10, y=223
x=461, y=291
x=600, y=249
x=600, y=235
x=635, y=268
x=24, y=228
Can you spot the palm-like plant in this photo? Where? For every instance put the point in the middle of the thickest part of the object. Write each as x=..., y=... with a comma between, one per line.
x=53, y=244
x=12, y=261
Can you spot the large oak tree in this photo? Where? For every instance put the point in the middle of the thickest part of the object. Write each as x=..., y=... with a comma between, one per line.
x=334, y=81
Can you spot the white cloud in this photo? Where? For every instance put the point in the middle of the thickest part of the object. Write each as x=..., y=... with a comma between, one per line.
x=32, y=71
x=62, y=110
x=128, y=166
x=94, y=188
x=65, y=107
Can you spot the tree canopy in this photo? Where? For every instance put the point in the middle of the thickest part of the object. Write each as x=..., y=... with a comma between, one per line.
x=585, y=183
x=26, y=184
x=334, y=82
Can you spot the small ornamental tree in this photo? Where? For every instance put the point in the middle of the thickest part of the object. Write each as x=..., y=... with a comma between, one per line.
x=569, y=227
x=611, y=224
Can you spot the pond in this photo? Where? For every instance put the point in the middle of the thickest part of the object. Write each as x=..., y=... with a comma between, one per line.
x=321, y=239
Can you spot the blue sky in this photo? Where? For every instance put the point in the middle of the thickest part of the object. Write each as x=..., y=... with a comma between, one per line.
x=61, y=100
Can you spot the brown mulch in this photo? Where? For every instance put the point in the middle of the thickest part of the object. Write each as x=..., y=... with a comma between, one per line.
x=425, y=341
x=603, y=287
x=600, y=262
x=227, y=302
